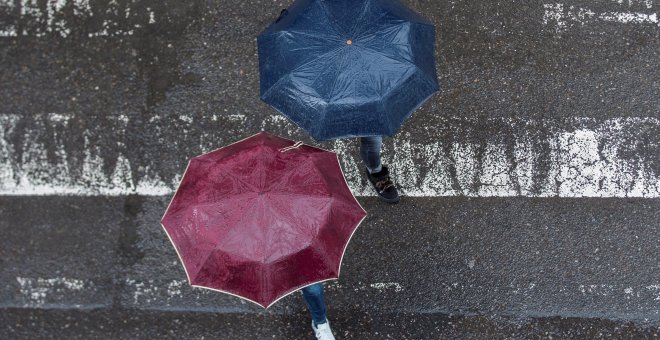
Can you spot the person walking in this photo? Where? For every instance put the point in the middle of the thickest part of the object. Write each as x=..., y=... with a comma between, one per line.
x=315, y=300
x=340, y=75
x=377, y=173
x=379, y=177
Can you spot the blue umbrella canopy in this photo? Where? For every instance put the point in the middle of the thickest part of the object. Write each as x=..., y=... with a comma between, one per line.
x=347, y=68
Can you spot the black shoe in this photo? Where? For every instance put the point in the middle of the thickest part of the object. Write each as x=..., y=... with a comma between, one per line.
x=384, y=186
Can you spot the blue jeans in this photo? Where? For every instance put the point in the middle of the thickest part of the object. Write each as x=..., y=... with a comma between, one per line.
x=370, y=152
x=314, y=298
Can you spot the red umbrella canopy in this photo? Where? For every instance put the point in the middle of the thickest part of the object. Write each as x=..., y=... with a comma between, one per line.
x=260, y=219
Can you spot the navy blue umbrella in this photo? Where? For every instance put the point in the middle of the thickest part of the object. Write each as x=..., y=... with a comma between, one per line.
x=347, y=68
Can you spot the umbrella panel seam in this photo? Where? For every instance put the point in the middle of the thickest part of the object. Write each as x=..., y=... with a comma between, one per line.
x=297, y=68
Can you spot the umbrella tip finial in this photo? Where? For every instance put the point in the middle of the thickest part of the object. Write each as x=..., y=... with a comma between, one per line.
x=349, y=42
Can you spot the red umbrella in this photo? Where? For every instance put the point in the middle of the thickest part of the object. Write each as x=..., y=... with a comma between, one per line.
x=262, y=218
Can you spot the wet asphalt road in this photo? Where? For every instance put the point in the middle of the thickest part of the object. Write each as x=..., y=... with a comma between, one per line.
x=495, y=266
x=156, y=82
x=134, y=324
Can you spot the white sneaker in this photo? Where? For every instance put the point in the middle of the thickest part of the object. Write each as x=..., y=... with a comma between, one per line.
x=323, y=331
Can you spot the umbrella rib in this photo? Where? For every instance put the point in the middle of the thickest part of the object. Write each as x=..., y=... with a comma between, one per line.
x=322, y=56
x=298, y=195
x=386, y=57
x=230, y=171
x=363, y=12
x=354, y=89
x=274, y=209
x=326, y=259
x=219, y=241
x=297, y=68
x=424, y=74
x=342, y=64
x=219, y=238
x=232, y=197
x=327, y=36
x=307, y=160
x=374, y=26
x=380, y=53
x=399, y=28
x=262, y=167
x=330, y=19
x=325, y=178
x=403, y=61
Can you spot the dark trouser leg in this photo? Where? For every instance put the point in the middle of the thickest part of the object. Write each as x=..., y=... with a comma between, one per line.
x=370, y=152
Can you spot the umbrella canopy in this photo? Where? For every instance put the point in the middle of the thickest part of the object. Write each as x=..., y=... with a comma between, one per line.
x=261, y=218
x=347, y=68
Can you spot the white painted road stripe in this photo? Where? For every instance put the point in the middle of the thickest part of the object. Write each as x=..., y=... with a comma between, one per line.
x=584, y=162
x=53, y=12
x=562, y=16
x=152, y=294
x=557, y=15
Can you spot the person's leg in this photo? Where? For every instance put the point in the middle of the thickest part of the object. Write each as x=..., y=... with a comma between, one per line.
x=370, y=148
x=378, y=175
x=315, y=300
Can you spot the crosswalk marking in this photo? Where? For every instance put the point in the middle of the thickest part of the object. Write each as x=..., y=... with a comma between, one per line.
x=590, y=160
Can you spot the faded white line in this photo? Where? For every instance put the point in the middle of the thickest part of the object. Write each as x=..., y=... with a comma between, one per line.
x=149, y=291
x=383, y=286
x=656, y=291
x=149, y=294
x=599, y=290
x=639, y=3
x=36, y=291
x=53, y=15
x=584, y=162
x=561, y=16
x=155, y=292
x=627, y=292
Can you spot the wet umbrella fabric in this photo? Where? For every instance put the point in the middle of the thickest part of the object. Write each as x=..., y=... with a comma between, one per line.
x=262, y=218
x=347, y=68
